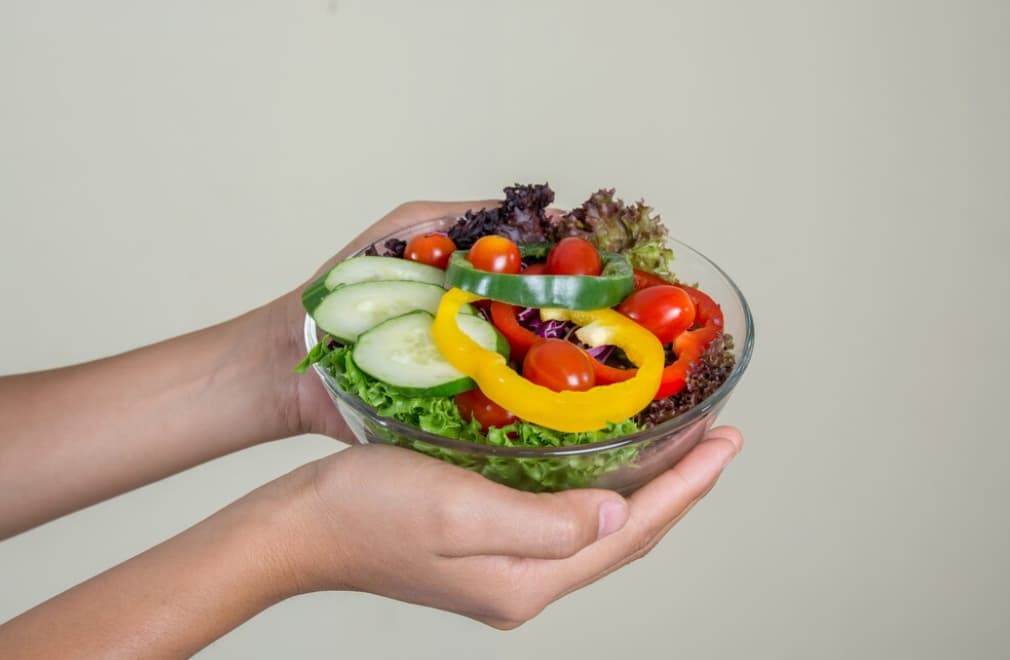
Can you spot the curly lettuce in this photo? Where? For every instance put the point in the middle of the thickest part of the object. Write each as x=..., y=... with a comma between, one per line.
x=522, y=217
x=613, y=226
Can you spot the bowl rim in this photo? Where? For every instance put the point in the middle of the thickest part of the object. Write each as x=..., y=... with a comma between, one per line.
x=663, y=429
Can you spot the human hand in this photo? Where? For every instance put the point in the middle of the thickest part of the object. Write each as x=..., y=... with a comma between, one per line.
x=400, y=524
x=373, y=518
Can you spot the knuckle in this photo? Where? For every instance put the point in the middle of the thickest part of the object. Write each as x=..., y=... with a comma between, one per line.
x=515, y=593
x=514, y=613
x=451, y=518
x=644, y=542
x=500, y=624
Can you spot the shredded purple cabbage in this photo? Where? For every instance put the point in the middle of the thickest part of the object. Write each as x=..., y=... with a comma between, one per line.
x=601, y=353
x=528, y=314
x=529, y=317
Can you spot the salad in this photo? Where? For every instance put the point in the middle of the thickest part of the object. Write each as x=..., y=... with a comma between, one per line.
x=520, y=328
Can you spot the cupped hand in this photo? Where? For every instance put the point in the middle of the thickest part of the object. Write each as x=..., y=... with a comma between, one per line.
x=397, y=523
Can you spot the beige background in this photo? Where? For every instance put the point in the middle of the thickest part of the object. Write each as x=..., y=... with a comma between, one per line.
x=167, y=165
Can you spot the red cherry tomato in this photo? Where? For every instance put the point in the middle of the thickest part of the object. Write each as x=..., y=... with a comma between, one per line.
x=574, y=256
x=495, y=254
x=535, y=269
x=431, y=249
x=665, y=310
x=559, y=365
x=474, y=404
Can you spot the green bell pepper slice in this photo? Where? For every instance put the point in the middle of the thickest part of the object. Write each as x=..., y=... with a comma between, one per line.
x=582, y=292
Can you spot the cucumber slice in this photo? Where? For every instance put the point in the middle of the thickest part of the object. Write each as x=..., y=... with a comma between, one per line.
x=401, y=352
x=369, y=269
x=352, y=309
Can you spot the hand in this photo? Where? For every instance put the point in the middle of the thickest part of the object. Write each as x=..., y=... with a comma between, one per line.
x=400, y=524
x=373, y=518
x=307, y=407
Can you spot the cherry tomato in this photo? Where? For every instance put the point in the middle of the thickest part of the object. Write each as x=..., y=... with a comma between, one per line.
x=665, y=310
x=495, y=254
x=474, y=404
x=645, y=279
x=535, y=269
x=431, y=249
x=574, y=256
x=559, y=365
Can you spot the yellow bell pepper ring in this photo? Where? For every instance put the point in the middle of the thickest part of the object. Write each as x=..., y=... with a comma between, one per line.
x=567, y=411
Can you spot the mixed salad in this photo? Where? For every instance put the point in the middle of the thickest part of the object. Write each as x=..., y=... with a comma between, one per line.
x=521, y=328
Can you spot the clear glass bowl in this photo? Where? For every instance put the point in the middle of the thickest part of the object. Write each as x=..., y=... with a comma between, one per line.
x=623, y=464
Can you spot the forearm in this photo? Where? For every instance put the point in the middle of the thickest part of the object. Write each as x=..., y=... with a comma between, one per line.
x=176, y=598
x=75, y=436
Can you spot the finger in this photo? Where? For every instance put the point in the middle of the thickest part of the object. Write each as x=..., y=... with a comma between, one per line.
x=409, y=214
x=628, y=559
x=649, y=545
x=654, y=508
x=517, y=524
x=418, y=211
x=667, y=495
x=730, y=433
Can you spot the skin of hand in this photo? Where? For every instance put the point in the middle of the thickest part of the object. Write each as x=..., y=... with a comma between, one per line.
x=477, y=548
x=371, y=518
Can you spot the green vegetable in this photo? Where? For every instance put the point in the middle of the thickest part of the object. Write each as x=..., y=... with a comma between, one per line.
x=352, y=309
x=368, y=269
x=567, y=291
x=439, y=415
x=612, y=226
x=401, y=352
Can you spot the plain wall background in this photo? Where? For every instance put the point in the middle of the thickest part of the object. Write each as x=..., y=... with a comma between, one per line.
x=164, y=166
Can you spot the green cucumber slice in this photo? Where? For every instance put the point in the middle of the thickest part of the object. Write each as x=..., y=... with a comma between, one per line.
x=352, y=309
x=567, y=291
x=367, y=268
x=401, y=352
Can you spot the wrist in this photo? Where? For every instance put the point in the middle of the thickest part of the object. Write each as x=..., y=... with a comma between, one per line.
x=270, y=344
x=292, y=530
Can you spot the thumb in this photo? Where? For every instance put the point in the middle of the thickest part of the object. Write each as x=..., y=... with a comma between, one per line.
x=542, y=526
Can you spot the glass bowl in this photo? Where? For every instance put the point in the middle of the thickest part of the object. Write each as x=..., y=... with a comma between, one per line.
x=622, y=464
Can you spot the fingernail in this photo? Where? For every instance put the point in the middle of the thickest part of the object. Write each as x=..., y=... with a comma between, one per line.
x=613, y=515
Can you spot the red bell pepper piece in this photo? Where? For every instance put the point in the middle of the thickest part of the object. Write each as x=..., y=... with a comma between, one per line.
x=605, y=374
x=645, y=279
x=535, y=269
x=520, y=339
